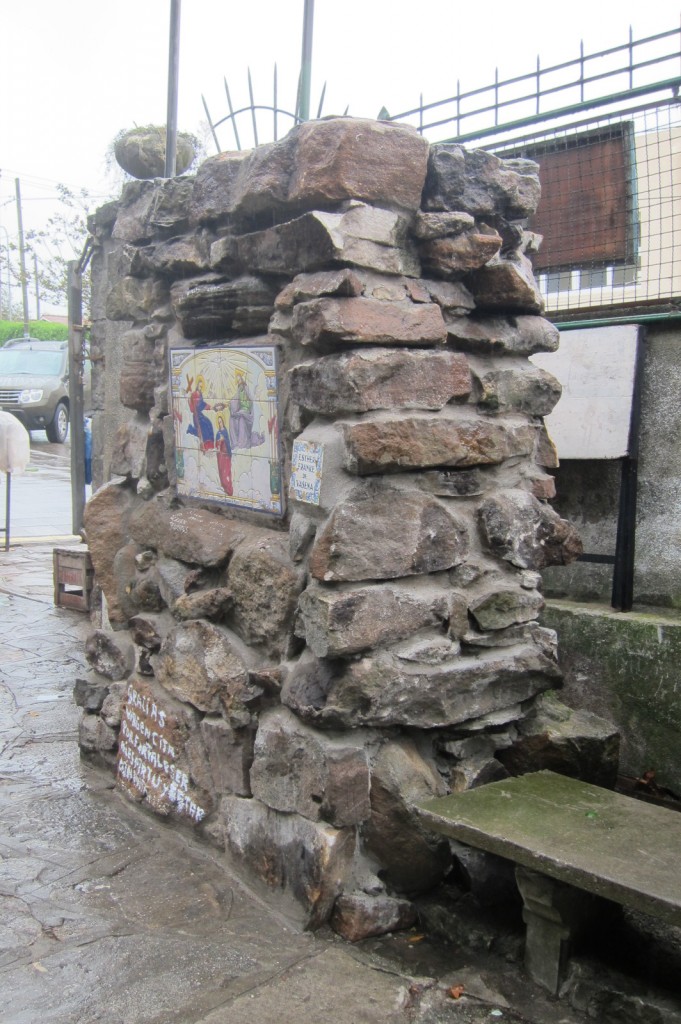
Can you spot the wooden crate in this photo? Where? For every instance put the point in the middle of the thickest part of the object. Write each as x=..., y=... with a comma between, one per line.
x=73, y=577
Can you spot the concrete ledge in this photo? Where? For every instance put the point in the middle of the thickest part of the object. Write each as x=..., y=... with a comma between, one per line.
x=625, y=667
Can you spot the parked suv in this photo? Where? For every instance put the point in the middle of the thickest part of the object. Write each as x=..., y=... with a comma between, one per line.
x=34, y=384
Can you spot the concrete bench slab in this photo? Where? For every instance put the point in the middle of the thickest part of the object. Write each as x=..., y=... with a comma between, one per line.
x=578, y=835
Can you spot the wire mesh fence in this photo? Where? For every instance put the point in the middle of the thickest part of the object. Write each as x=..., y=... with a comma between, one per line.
x=610, y=168
x=605, y=129
x=610, y=212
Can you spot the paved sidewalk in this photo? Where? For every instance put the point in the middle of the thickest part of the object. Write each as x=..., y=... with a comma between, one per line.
x=109, y=915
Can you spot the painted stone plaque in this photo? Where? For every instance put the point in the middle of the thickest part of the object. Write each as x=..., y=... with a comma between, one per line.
x=151, y=755
x=226, y=423
x=306, y=471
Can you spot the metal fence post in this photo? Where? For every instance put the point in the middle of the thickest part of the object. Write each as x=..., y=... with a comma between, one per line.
x=77, y=427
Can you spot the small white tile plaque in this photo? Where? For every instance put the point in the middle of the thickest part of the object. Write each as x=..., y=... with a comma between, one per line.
x=306, y=471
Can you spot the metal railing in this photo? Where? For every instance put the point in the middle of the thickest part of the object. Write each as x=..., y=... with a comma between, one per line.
x=250, y=111
x=605, y=129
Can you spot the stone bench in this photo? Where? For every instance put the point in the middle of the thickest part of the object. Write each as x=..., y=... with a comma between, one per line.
x=570, y=842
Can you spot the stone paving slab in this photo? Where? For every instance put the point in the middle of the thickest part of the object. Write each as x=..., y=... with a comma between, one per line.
x=110, y=915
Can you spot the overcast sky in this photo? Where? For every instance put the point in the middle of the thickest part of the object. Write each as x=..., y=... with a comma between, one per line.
x=75, y=72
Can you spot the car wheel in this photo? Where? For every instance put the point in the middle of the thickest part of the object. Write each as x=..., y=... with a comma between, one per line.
x=59, y=427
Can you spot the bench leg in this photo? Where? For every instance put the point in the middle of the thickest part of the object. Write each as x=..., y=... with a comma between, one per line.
x=553, y=913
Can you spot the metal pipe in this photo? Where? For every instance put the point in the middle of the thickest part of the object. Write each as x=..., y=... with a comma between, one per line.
x=8, y=503
x=306, y=62
x=22, y=257
x=9, y=275
x=77, y=426
x=553, y=115
x=173, y=89
x=614, y=321
x=37, y=287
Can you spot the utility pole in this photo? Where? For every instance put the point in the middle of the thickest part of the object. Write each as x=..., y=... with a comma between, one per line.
x=22, y=257
x=77, y=427
x=306, y=62
x=173, y=89
x=9, y=274
x=37, y=287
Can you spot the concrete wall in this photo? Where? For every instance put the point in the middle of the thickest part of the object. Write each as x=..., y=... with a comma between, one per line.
x=657, y=578
x=587, y=493
x=627, y=666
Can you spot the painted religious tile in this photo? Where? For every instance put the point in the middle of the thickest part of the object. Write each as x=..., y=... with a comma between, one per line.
x=225, y=416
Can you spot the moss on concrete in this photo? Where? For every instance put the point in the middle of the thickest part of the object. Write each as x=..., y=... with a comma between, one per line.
x=627, y=668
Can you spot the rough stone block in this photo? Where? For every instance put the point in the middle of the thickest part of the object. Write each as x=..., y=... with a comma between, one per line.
x=265, y=585
x=230, y=755
x=417, y=685
x=428, y=226
x=480, y=183
x=153, y=754
x=508, y=284
x=339, y=623
x=343, y=282
x=525, y=532
x=477, y=772
x=95, y=736
x=412, y=860
x=455, y=255
x=133, y=298
x=300, y=770
x=174, y=578
x=505, y=607
x=309, y=859
x=453, y=438
x=212, y=604
x=318, y=165
x=524, y=389
x=89, y=693
x=380, y=532
x=129, y=452
x=213, y=190
x=139, y=375
x=111, y=655
x=358, y=915
x=328, y=322
x=188, y=534
x=352, y=158
x=545, y=452
x=502, y=335
x=380, y=378
x=148, y=209
x=452, y=296
x=186, y=256
x=570, y=741
x=112, y=707
x=202, y=664
x=106, y=518
x=210, y=307
x=124, y=579
x=362, y=236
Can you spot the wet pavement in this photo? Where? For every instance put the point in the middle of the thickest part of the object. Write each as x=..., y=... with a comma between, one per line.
x=40, y=498
x=108, y=914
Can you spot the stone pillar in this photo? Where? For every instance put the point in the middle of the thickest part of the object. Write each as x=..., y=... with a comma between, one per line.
x=554, y=914
x=373, y=640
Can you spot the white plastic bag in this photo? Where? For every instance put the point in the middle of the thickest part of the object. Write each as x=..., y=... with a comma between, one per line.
x=15, y=444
